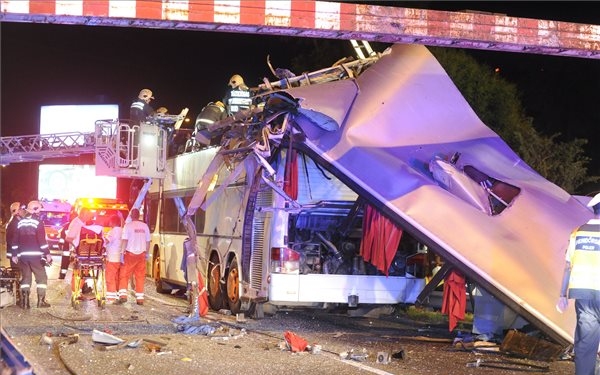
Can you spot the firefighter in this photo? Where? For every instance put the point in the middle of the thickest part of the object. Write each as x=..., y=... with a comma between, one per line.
x=17, y=212
x=238, y=97
x=140, y=109
x=65, y=248
x=30, y=251
x=211, y=113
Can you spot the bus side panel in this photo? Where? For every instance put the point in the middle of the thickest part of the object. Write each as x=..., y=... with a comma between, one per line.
x=338, y=288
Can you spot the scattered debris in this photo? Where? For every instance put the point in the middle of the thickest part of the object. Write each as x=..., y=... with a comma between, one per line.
x=105, y=338
x=531, y=347
x=48, y=338
x=359, y=357
x=230, y=336
x=399, y=355
x=205, y=329
x=294, y=342
x=509, y=365
x=383, y=358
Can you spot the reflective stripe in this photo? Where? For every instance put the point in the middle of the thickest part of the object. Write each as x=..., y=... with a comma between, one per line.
x=25, y=286
x=66, y=253
x=63, y=271
x=42, y=286
x=44, y=246
x=138, y=105
x=206, y=121
x=27, y=253
x=139, y=296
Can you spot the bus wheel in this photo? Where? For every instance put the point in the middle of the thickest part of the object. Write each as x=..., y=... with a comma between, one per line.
x=233, y=288
x=156, y=275
x=215, y=292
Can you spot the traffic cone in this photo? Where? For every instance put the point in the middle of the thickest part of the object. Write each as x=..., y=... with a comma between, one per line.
x=202, y=296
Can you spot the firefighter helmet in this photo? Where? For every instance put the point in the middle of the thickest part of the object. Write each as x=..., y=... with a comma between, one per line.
x=236, y=81
x=220, y=104
x=146, y=94
x=162, y=110
x=34, y=207
x=15, y=207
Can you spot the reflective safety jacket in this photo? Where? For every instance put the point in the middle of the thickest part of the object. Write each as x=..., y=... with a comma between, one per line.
x=583, y=254
x=30, y=239
x=236, y=100
x=139, y=111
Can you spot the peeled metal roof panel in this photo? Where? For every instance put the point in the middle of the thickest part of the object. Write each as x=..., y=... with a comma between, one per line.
x=408, y=111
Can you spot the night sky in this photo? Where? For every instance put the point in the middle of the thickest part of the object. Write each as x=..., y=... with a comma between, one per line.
x=44, y=64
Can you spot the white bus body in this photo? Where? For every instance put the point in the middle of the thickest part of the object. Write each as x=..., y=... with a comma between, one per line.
x=256, y=248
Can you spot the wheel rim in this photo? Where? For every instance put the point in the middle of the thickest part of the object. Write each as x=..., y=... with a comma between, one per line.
x=156, y=270
x=215, y=276
x=233, y=285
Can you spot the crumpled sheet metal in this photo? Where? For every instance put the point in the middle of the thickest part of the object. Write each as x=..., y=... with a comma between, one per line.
x=406, y=111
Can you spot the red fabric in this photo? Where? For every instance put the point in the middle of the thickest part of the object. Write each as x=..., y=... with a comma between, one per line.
x=202, y=297
x=454, y=302
x=295, y=342
x=290, y=184
x=381, y=238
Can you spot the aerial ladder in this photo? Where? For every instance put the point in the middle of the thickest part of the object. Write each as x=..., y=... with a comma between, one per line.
x=140, y=151
x=120, y=149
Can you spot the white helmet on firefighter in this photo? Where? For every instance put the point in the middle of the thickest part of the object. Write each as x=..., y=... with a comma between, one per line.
x=15, y=207
x=146, y=94
x=34, y=207
x=236, y=81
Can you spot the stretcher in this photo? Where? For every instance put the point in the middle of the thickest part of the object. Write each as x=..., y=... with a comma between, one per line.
x=88, y=264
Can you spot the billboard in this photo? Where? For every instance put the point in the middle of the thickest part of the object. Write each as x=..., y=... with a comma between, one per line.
x=75, y=118
x=70, y=181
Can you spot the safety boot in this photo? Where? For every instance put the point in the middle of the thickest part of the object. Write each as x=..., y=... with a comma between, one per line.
x=25, y=300
x=42, y=302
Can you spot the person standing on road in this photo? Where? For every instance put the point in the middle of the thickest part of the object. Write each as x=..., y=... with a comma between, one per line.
x=581, y=283
x=135, y=246
x=113, y=258
x=17, y=212
x=30, y=251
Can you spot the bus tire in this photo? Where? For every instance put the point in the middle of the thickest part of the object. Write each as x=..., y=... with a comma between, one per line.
x=216, y=299
x=233, y=288
x=160, y=288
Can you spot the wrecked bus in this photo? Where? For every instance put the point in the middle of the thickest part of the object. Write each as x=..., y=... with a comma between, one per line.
x=396, y=140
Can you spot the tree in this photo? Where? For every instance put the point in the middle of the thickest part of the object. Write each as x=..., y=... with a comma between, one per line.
x=497, y=103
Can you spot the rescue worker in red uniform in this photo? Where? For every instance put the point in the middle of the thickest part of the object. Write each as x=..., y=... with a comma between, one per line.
x=135, y=246
x=30, y=251
x=581, y=283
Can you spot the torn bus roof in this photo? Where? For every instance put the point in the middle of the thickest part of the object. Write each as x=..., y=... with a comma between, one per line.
x=402, y=113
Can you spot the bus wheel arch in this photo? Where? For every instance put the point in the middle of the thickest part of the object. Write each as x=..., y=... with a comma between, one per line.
x=216, y=297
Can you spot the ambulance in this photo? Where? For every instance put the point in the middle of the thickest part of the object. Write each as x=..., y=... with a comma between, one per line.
x=102, y=209
x=55, y=214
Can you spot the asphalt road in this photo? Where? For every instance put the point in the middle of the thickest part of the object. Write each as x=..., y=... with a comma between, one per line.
x=361, y=342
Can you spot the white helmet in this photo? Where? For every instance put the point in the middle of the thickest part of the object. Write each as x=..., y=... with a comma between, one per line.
x=34, y=207
x=146, y=94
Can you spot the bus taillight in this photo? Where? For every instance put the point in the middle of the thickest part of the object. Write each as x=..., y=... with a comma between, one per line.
x=284, y=260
